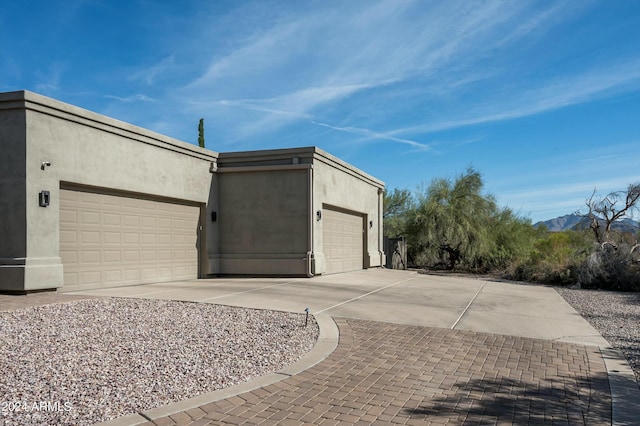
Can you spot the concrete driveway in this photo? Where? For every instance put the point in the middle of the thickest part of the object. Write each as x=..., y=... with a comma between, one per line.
x=400, y=297
x=455, y=329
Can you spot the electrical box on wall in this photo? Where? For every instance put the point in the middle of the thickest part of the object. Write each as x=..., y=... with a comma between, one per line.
x=44, y=198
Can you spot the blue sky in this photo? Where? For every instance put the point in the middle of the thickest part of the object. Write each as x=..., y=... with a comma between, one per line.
x=542, y=97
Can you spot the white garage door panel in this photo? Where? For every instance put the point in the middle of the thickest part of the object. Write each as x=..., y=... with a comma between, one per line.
x=342, y=236
x=109, y=240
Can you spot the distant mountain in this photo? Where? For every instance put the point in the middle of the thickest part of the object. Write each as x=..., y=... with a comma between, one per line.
x=626, y=225
x=562, y=223
x=574, y=221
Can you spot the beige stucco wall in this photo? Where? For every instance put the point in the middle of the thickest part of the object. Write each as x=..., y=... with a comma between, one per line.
x=266, y=179
x=264, y=217
x=13, y=224
x=83, y=148
x=339, y=184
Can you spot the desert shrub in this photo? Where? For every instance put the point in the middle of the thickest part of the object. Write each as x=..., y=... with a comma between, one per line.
x=610, y=267
x=554, y=258
x=543, y=272
x=512, y=239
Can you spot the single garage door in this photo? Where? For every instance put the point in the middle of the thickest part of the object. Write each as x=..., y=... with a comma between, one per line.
x=343, y=240
x=109, y=240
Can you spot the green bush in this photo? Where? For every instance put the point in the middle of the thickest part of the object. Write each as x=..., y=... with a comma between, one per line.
x=453, y=225
x=554, y=258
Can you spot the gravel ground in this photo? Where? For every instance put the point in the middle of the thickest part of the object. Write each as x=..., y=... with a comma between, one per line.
x=93, y=360
x=615, y=315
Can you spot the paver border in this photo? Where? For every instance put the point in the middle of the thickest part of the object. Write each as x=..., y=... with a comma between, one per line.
x=623, y=387
x=327, y=342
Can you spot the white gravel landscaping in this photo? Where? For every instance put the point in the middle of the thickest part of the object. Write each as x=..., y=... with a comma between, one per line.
x=93, y=360
x=615, y=315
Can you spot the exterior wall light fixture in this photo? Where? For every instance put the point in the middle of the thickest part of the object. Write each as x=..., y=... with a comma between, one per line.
x=44, y=198
x=319, y=215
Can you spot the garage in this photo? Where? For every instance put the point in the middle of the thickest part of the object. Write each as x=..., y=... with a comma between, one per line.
x=90, y=202
x=343, y=240
x=112, y=239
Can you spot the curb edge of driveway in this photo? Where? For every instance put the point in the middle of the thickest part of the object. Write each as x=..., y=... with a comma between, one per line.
x=325, y=345
x=624, y=389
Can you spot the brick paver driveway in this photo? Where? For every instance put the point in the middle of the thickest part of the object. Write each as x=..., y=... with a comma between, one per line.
x=385, y=373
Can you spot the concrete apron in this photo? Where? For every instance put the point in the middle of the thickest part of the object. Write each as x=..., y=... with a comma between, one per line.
x=415, y=299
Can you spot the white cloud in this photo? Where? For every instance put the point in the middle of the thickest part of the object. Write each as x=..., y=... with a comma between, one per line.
x=564, y=197
x=550, y=95
x=149, y=74
x=300, y=62
x=49, y=80
x=256, y=105
x=133, y=98
x=407, y=67
x=375, y=135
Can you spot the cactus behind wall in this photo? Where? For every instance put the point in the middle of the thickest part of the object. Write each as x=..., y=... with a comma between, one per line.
x=201, y=133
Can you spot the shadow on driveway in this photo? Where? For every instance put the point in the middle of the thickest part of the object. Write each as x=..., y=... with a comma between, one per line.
x=573, y=401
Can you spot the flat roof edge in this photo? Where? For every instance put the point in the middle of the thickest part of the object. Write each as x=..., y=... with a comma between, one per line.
x=312, y=152
x=39, y=103
x=334, y=161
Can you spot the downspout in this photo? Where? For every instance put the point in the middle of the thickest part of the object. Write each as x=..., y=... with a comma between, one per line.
x=310, y=222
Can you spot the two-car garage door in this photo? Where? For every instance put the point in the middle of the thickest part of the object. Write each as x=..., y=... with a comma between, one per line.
x=342, y=240
x=109, y=240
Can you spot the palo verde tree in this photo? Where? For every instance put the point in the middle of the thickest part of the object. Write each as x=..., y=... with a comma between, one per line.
x=450, y=225
x=396, y=207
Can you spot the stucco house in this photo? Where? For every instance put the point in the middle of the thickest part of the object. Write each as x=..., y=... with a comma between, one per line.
x=87, y=201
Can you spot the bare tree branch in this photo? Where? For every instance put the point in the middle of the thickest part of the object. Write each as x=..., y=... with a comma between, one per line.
x=604, y=212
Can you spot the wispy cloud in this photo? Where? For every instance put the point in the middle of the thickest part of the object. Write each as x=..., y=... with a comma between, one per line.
x=605, y=165
x=279, y=110
x=563, y=190
x=529, y=25
x=256, y=106
x=49, y=80
x=373, y=81
x=550, y=186
x=342, y=53
x=298, y=104
x=468, y=141
x=561, y=198
x=133, y=98
x=149, y=74
x=410, y=68
x=375, y=135
x=547, y=96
